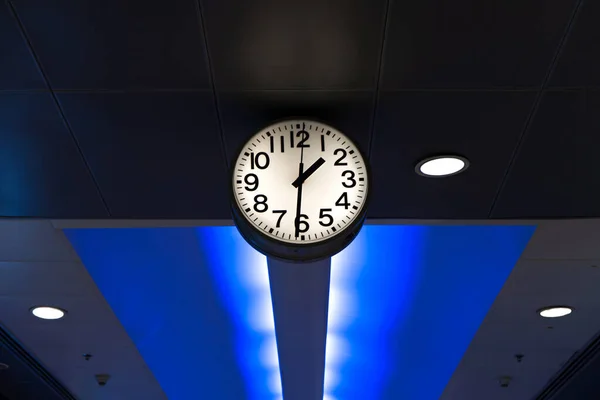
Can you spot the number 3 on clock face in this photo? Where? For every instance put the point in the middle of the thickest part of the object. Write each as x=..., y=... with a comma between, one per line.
x=300, y=182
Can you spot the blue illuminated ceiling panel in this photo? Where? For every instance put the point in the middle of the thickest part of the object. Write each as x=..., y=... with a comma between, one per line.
x=196, y=303
x=405, y=302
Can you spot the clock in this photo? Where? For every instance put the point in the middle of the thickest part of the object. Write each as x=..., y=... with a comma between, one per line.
x=300, y=190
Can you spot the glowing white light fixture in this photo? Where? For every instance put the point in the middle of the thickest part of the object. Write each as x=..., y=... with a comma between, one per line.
x=442, y=166
x=555, y=311
x=45, y=312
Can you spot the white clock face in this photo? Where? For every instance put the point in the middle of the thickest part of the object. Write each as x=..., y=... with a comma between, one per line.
x=300, y=181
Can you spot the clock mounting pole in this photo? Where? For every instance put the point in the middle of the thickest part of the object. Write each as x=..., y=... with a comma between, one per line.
x=300, y=296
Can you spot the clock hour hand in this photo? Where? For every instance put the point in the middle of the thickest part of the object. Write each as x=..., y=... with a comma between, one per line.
x=304, y=175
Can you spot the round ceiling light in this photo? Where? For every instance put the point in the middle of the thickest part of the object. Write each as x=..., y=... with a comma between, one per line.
x=45, y=312
x=555, y=311
x=442, y=166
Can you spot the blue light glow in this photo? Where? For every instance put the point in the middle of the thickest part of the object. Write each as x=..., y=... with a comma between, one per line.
x=196, y=303
x=242, y=277
x=405, y=302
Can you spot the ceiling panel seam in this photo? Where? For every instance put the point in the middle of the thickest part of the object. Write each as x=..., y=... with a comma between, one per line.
x=61, y=113
x=536, y=102
x=384, y=31
x=9, y=341
x=211, y=77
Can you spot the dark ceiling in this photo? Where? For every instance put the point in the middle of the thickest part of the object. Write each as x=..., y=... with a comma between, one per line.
x=133, y=109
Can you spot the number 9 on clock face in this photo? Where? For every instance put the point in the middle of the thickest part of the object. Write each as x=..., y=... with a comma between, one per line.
x=300, y=182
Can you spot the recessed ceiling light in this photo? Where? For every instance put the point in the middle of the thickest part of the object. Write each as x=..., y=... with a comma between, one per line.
x=555, y=311
x=441, y=166
x=45, y=312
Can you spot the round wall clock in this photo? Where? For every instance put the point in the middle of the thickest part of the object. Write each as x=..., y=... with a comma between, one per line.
x=300, y=190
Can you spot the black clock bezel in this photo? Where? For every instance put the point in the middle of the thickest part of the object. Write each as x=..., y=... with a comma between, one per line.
x=293, y=252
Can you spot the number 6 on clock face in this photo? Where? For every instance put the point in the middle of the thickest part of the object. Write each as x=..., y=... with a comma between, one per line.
x=300, y=182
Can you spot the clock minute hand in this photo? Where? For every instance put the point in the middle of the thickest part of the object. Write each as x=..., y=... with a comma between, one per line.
x=304, y=175
x=298, y=203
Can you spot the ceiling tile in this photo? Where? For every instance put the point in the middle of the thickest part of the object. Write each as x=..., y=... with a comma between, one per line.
x=117, y=360
x=478, y=375
x=88, y=316
x=42, y=173
x=155, y=155
x=113, y=44
x=512, y=326
x=566, y=239
x=410, y=126
x=89, y=327
x=472, y=44
x=285, y=44
x=541, y=283
x=579, y=63
x=31, y=278
x=33, y=241
x=17, y=69
x=556, y=171
x=245, y=113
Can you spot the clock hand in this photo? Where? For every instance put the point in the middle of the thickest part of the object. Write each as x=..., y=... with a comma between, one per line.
x=298, y=204
x=299, y=198
x=304, y=175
